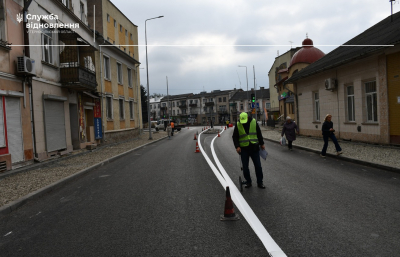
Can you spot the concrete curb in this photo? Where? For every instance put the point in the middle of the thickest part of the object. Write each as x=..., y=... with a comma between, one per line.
x=371, y=164
x=14, y=205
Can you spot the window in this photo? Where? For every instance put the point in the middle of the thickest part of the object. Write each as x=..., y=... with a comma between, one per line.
x=205, y=109
x=130, y=77
x=211, y=100
x=151, y=106
x=173, y=112
x=108, y=17
x=115, y=23
x=267, y=105
x=131, y=37
x=126, y=33
x=371, y=101
x=120, y=28
x=106, y=67
x=131, y=110
x=219, y=99
x=66, y=2
x=204, y=100
x=47, y=42
x=121, y=109
x=316, y=107
x=109, y=107
x=164, y=104
x=224, y=99
x=82, y=11
x=119, y=73
x=191, y=101
x=350, y=103
x=173, y=104
x=241, y=106
x=158, y=105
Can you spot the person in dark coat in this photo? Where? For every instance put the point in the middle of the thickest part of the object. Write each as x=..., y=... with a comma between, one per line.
x=289, y=129
x=328, y=132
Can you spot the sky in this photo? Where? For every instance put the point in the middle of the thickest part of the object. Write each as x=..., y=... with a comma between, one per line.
x=199, y=45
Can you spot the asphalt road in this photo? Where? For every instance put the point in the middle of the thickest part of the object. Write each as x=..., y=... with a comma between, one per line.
x=164, y=200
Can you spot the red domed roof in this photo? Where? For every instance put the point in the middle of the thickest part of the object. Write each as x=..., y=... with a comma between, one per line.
x=307, y=54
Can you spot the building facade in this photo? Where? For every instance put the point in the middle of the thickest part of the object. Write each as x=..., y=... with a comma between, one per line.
x=64, y=81
x=275, y=76
x=16, y=133
x=118, y=71
x=358, y=86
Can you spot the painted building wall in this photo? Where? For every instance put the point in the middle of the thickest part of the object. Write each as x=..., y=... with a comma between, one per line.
x=334, y=102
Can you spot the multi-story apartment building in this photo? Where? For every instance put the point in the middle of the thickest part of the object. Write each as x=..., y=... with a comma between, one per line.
x=63, y=87
x=155, y=113
x=178, y=108
x=16, y=134
x=239, y=103
x=118, y=80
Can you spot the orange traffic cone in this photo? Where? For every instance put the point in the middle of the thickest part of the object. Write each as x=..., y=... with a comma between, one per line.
x=218, y=134
x=197, y=148
x=195, y=137
x=229, y=213
x=225, y=127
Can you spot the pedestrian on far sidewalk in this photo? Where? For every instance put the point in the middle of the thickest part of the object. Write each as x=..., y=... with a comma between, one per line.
x=289, y=130
x=328, y=132
x=169, y=130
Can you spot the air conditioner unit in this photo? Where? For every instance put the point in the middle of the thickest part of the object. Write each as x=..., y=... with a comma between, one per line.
x=26, y=65
x=330, y=84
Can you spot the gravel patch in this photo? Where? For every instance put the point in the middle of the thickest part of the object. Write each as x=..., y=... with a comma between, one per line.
x=380, y=154
x=21, y=184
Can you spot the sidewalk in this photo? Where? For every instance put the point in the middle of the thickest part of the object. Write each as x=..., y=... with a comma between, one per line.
x=379, y=156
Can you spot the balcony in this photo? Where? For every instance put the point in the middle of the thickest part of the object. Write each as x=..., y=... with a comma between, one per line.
x=182, y=106
x=78, y=78
x=222, y=112
x=209, y=104
x=77, y=69
x=163, y=108
x=193, y=105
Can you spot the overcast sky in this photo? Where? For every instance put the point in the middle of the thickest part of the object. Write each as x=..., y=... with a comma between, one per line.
x=196, y=43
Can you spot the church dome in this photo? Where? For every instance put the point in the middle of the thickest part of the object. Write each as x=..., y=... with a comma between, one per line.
x=307, y=54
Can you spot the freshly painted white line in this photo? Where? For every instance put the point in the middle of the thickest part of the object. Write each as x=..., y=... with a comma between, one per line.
x=214, y=169
x=269, y=243
x=8, y=233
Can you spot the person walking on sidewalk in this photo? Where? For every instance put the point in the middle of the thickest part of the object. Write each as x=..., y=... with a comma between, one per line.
x=289, y=130
x=328, y=132
x=172, y=127
x=248, y=139
x=169, y=130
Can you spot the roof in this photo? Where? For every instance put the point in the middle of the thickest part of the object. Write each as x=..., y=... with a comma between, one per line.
x=260, y=94
x=371, y=41
x=215, y=93
x=307, y=54
x=175, y=97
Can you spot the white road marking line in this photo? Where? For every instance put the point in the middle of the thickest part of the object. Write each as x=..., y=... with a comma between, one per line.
x=270, y=245
x=8, y=233
x=103, y=176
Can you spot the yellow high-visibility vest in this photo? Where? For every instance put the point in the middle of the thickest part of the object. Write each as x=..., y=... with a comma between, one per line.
x=246, y=139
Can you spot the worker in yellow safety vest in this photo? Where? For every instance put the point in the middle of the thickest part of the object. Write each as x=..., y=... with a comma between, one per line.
x=248, y=140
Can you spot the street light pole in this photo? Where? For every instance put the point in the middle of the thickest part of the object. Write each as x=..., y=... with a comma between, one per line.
x=147, y=70
x=247, y=95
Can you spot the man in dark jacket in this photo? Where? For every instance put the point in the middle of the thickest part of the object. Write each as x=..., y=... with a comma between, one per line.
x=248, y=139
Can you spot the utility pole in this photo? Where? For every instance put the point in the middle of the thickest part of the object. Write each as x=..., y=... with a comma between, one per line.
x=255, y=91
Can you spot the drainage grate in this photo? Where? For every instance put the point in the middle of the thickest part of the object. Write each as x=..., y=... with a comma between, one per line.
x=3, y=166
